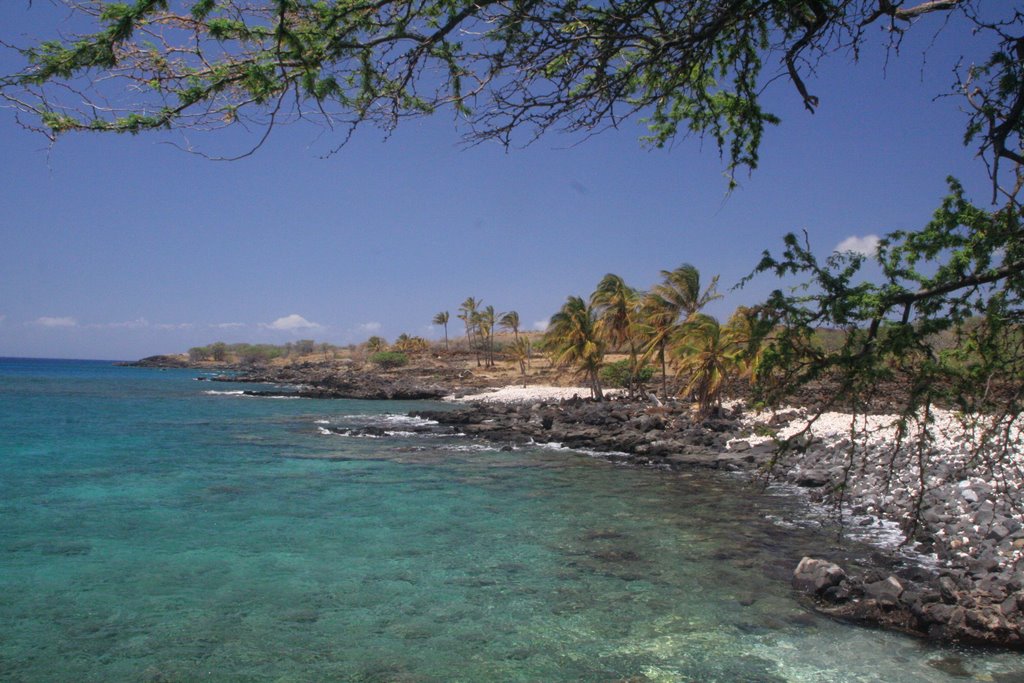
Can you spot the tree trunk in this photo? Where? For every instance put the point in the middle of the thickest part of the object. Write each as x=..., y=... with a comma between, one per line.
x=664, y=374
x=595, y=386
x=634, y=371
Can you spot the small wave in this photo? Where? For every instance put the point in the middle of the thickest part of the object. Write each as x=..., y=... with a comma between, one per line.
x=473, y=448
x=556, y=446
x=322, y=422
x=390, y=419
x=408, y=420
x=214, y=392
x=357, y=433
x=351, y=433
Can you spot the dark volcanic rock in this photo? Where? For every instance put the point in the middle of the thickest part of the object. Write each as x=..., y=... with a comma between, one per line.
x=647, y=435
x=318, y=383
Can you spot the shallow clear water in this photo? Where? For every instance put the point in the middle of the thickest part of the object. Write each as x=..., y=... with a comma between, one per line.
x=152, y=530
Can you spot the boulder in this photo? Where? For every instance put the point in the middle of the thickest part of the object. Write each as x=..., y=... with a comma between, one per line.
x=886, y=592
x=811, y=478
x=816, y=576
x=948, y=590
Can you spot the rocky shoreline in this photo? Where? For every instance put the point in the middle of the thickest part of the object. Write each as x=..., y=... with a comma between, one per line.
x=314, y=381
x=973, y=591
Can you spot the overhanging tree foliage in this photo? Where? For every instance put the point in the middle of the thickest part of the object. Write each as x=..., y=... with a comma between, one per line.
x=509, y=66
x=942, y=328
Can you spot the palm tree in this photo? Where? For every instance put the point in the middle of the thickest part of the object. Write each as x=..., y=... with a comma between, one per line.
x=521, y=350
x=618, y=311
x=468, y=316
x=668, y=305
x=510, y=321
x=573, y=341
x=707, y=356
x=681, y=290
x=749, y=333
x=659, y=324
x=485, y=325
x=442, y=319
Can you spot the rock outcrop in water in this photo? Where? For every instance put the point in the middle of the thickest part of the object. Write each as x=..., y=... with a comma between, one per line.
x=949, y=606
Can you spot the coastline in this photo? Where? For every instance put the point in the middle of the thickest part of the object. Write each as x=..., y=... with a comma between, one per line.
x=968, y=583
x=968, y=589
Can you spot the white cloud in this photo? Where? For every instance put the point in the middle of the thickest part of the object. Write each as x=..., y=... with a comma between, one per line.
x=369, y=327
x=140, y=324
x=48, y=321
x=136, y=324
x=541, y=325
x=227, y=326
x=292, y=323
x=867, y=245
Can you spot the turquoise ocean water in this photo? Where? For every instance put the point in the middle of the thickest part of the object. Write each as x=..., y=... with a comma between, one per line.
x=154, y=527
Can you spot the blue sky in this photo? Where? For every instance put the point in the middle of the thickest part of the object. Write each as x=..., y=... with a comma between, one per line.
x=122, y=247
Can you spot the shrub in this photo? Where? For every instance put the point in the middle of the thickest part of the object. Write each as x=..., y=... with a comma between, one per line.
x=255, y=354
x=617, y=374
x=219, y=351
x=389, y=359
x=304, y=347
x=375, y=344
x=407, y=344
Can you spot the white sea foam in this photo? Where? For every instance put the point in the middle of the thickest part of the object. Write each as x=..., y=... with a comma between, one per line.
x=214, y=392
x=387, y=419
x=879, y=532
x=556, y=446
x=349, y=435
x=408, y=420
x=354, y=433
x=473, y=448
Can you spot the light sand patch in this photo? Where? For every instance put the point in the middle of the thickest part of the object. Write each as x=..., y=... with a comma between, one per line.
x=530, y=394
